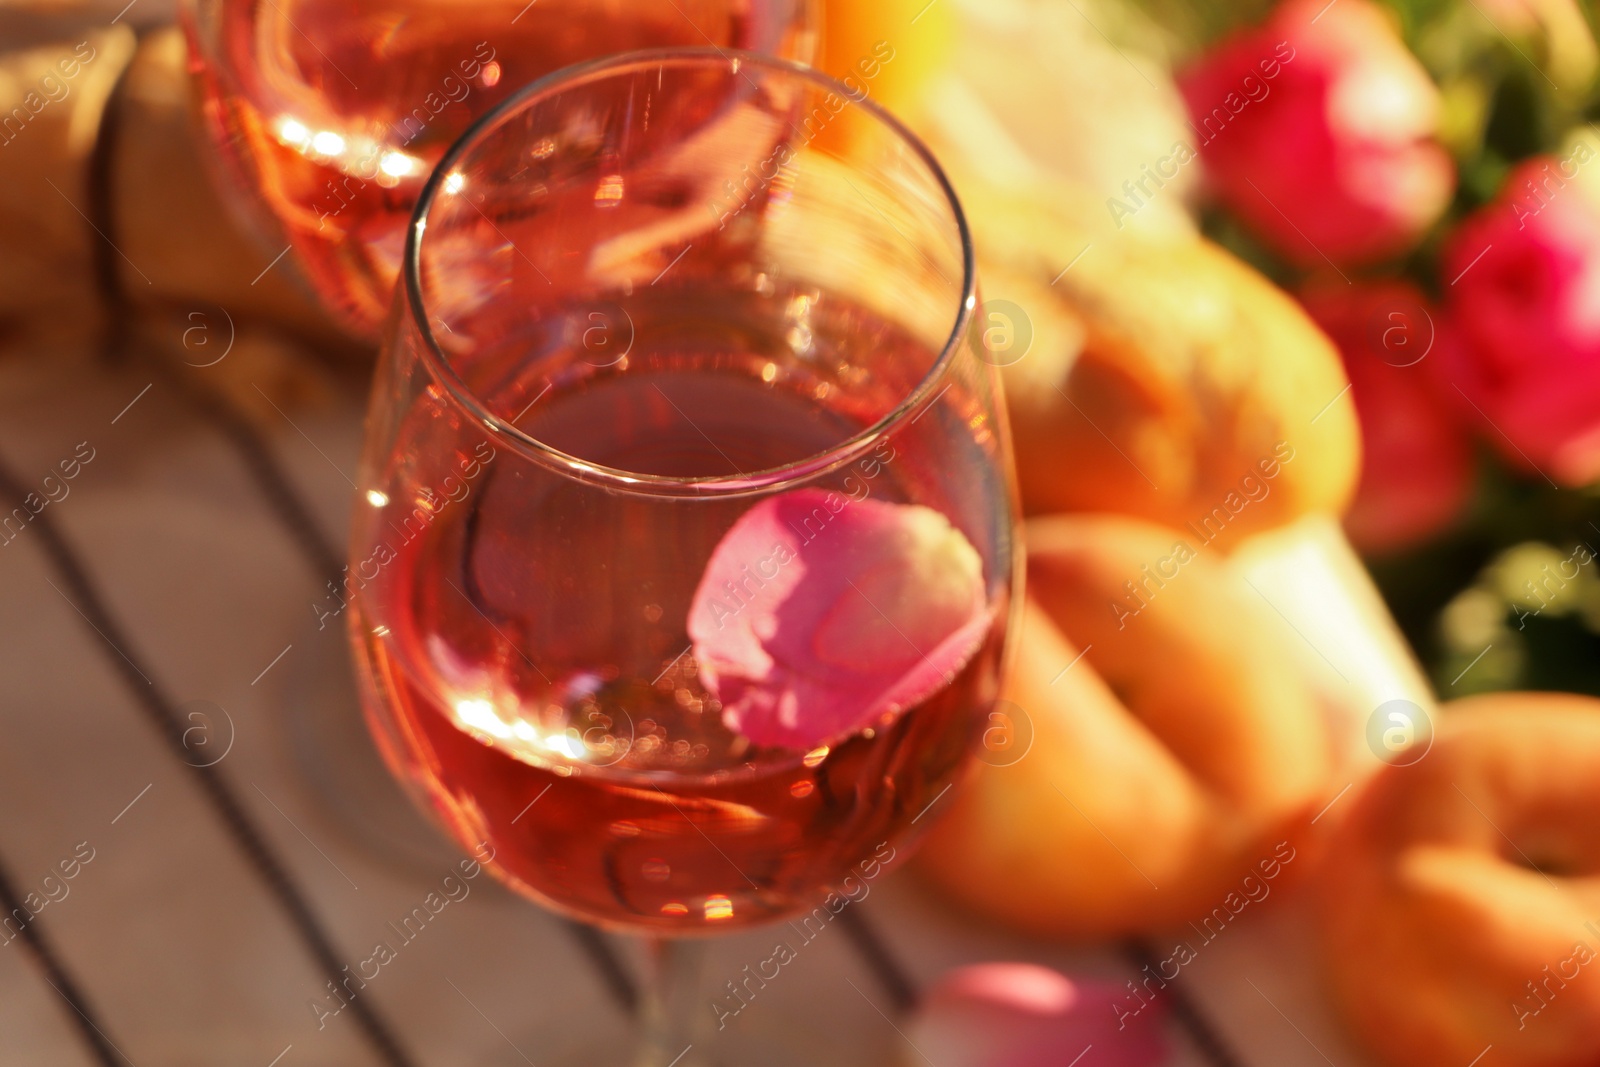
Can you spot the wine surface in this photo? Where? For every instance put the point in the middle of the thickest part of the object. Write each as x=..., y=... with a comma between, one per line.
x=529, y=664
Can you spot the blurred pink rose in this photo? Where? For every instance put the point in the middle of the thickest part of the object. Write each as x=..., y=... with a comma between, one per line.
x=1416, y=459
x=1523, y=276
x=1022, y=1015
x=1316, y=130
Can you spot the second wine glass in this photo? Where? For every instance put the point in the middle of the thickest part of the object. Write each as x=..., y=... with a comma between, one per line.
x=326, y=118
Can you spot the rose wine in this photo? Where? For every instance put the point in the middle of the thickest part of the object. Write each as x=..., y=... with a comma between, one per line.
x=333, y=113
x=528, y=660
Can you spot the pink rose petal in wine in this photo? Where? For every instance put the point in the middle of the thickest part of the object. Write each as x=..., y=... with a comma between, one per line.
x=819, y=614
x=1023, y=1015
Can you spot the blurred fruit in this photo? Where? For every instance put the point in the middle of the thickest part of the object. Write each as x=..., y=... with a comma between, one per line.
x=1033, y=93
x=172, y=221
x=1317, y=129
x=1524, y=278
x=1416, y=469
x=890, y=47
x=1460, y=900
x=1148, y=372
x=1164, y=376
x=48, y=293
x=1022, y=1015
x=1347, y=644
x=1150, y=792
x=190, y=285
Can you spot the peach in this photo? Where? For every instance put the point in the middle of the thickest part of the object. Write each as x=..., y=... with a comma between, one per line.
x=1182, y=752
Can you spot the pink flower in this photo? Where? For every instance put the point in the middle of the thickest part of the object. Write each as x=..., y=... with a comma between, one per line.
x=1021, y=1015
x=819, y=615
x=1316, y=130
x=1523, y=276
x=1416, y=460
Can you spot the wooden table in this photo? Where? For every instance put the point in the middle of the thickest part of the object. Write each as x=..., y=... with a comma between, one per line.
x=180, y=951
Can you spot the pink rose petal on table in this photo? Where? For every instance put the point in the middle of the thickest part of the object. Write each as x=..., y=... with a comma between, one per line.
x=818, y=615
x=1023, y=1015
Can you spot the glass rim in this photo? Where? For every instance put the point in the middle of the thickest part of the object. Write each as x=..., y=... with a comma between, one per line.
x=769, y=479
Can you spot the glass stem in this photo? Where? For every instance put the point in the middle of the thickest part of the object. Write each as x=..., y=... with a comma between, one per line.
x=672, y=1015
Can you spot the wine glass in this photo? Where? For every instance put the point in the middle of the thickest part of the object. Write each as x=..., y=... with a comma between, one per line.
x=684, y=554
x=326, y=118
